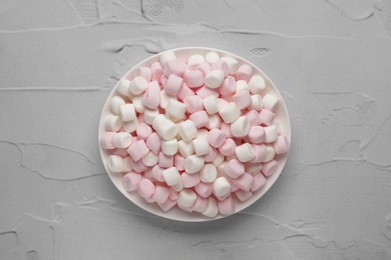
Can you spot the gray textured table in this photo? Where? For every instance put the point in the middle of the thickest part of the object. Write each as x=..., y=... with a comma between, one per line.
x=330, y=59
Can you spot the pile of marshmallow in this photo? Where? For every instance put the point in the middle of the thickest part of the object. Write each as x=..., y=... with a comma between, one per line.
x=198, y=135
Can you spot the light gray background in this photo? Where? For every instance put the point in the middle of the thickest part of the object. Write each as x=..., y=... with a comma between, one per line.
x=330, y=59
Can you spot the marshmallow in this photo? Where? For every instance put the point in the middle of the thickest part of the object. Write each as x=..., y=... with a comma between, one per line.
x=165, y=127
x=241, y=85
x=144, y=72
x=161, y=194
x=208, y=173
x=130, y=126
x=201, y=146
x=228, y=147
x=200, y=204
x=244, y=72
x=151, y=97
x=115, y=163
x=138, y=149
x=193, y=78
x=216, y=137
x=167, y=205
x=115, y=103
x=187, y=130
x=204, y=189
x=193, y=103
x=266, y=117
x=260, y=153
x=130, y=181
x=226, y=128
x=156, y=71
x=211, y=155
x=258, y=182
x=143, y=131
x=256, y=134
x=218, y=160
x=243, y=195
x=204, y=68
x=269, y=168
x=221, y=187
x=205, y=91
x=164, y=98
x=194, y=60
x=190, y=180
x=179, y=186
x=171, y=176
x=253, y=168
x=214, y=78
x=106, y=140
x=214, y=122
x=185, y=148
x=234, y=168
x=123, y=87
x=138, y=104
x=170, y=147
x=166, y=161
x=167, y=56
x=271, y=134
x=154, y=142
x=254, y=118
x=232, y=63
x=175, y=108
x=174, y=67
x=256, y=102
x=226, y=207
x=221, y=102
x=157, y=173
x=221, y=65
x=187, y=198
x=240, y=127
x=200, y=119
x=270, y=153
x=149, y=115
x=210, y=104
x=138, y=85
x=212, y=57
x=242, y=99
x=184, y=92
x=281, y=145
x=150, y=159
x=146, y=188
x=270, y=102
x=230, y=112
x=211, y=210
x=245, y=152
x=244, y=182
x=257, y=84
x=122, y=140
x=138, y=166
x=127, y=112
x=193, y=164
x=173, y=84
x=179, y=162
x=112, y=123
x=228, y=87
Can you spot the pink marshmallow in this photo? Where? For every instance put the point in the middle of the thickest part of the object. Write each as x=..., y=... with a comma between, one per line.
x=226, y=128
x=269, y=168
x=260, y=153
x=161, y=194
x=266, y=117
x=106, y=140
x=156, y=71
x=157, y=173
x=228, y=87
x=167, y=205
x=148, y=175
x=204, y=189
x=216, y=137
x=254, y=117
x=162, y=80
x=211, y=155
x=193, y=103
x=184, y=208
x=200, y=118
x=234, y=187
x=228, y=147
x=143, y=131
x=243, y=195
x=173, y=85
x=204, y=92
x=193, y=78
x=138, y=166
x=173, y=194
x=154, y=142
x=221, y=65
x=234, y=168
x=256, y=134
x=226, y=207
x=144, y=72
x=244, y=182
x=179, y=162
x=166, y=161
x=242, y=99
x=130, y=181
x=138, y=149
x=281, y=145
x=259, y=181
x=204, y=68
x=190, y=180
x=184, y=92
x=174, y=67
x=244, y=72
x=146, y=188
x=200, y=204
x=123, y=152
x=151, y=97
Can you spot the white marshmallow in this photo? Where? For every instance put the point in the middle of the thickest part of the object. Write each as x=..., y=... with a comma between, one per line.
x=270, y=153
x=218, y=160
x=179, y=186
x=113, y=123
x=221, y=187
x=122, y=140
x=150, y=114
x=115, y=163
x=123, y=87
x=166, y=57
x=214, y=78
x=212, y=57
x=170, y=147
x=127, y=164
x=270, y=102
x=187, y=130
x=164, y=98
x=245, y=152
x=211, y=210
x=193, y=164
x=230, y=112
x=208, y=173
x=115, y=103
x=201, y=146
x=164, y=127
x=187, y=198
x=171, y=176
x=253, y=168
x=150, y=159
x=241, y=85
x=240, y=127
x=194, y=60
x=232, y=63
x=271, y=134
x=210, y=104
x=256, y=102
x=214, y=122
x=257, y=84
x=127, y=112
x=138, y=85
x=174, y=119
x=130, y=126
x=185, y=148
x=176, y=109
x=138, y=104
x=202, y=133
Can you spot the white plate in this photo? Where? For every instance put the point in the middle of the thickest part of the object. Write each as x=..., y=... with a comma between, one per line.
x=281, y=119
